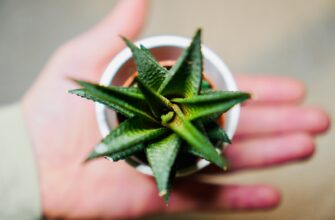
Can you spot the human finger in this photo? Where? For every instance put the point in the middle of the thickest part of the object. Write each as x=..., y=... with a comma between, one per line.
x=271, y=89
x=269, y=120
x=195, y=196
x=269, y=151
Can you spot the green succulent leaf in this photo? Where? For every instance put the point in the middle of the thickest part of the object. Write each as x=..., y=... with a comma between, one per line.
x=200, y=126
x=147, y=51
x=161, y=156
x=205, y=86
x=127, y=101
x=200, y=144
x=149, y=71
x=216, y=133
x=166, y=118
x=156, y=102
x=125, y=153
x=131, y=132
x=212, y=96
x=184, y=78
x=205, y=105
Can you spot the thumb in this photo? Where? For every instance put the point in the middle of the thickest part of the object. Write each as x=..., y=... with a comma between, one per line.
x=103, y=41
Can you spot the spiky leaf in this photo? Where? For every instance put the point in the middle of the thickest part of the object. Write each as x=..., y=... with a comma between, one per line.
x=161, y=156
x=126, y=153
x=205, y=85
x=197, y=140
x=147, y=51
x=149, y=71
x=216, y=133
x=129, y=133
x=127, y=101
x=184, y=78
x=210, y=103
x=212, y=96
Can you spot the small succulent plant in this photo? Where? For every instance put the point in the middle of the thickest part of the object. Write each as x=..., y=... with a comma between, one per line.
x=168, y=115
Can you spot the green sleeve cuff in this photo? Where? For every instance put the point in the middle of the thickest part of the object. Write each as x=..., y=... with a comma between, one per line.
x=19, y=189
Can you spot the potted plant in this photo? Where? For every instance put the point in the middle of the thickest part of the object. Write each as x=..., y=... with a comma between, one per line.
x=165, y=117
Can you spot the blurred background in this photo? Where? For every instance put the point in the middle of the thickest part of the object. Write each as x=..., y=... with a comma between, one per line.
x=286, y=37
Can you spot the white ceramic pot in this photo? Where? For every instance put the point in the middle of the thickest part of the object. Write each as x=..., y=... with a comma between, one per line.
x=166, y=48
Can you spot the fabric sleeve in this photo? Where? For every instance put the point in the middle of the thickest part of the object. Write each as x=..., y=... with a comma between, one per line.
x=19, y=188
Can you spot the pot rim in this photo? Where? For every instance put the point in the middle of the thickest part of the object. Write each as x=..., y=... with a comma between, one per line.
x=165, y=41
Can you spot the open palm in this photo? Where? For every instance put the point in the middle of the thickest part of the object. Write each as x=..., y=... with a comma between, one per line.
x=273, y=129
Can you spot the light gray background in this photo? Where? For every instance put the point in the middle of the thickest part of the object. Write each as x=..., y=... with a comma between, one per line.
x=289, y=37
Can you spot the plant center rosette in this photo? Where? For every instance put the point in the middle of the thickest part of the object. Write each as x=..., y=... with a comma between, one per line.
x=168, y=116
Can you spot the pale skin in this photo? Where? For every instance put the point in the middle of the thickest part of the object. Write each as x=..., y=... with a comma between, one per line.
x=274, y=129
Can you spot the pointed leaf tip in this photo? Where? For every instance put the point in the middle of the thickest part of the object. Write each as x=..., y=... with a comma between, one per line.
x=166, y=199
x=184, y=78
x=126, y=40
x=149, y=70
x=162, y=193
x=129, y=44
x=161, y=156
x=147, y=51
x=198, y=32
x=72, y=79
x=98, y=150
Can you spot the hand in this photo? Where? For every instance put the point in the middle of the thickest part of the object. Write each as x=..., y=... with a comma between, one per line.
x=273, y=129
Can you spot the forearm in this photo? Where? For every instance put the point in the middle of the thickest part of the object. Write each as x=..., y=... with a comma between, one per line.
x=19, y=189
